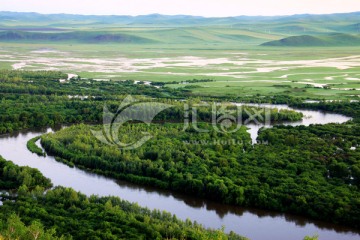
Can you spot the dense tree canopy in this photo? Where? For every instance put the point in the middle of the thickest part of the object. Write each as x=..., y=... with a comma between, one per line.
x=296, y=169
x=313, y=171
x=37, y=99
x=63, y=213
x=12, y=177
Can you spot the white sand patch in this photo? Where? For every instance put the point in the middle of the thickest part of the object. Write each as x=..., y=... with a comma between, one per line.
x=20, y=65
x=5, y=56
x=101, y=80
x=339, y=63
x=141, y=65
x=325, y=73
x=122, y=64
x=46, y=50
x=346, y=89
x=70, y=76
x=329, y=78
x=353, y=79
x=319, y=85
x=78, y=97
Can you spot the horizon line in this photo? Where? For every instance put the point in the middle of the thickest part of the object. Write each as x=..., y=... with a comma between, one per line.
x=173, y=15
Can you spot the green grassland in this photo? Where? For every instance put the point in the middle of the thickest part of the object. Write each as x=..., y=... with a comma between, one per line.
x=295, y=55
x=334, y=39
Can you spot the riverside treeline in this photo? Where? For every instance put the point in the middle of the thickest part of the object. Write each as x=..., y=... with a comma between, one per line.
x=312, y=171
x=30, y=212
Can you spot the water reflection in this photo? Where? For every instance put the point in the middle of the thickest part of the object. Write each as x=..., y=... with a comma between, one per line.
x=253, y=223
x=222, y=210
x=310, y=117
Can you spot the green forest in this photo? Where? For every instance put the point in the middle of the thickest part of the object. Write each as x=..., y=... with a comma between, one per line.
x=296, y=169
x=39, y=99
x=62, y=213
x=230, y=120
x=312, y=171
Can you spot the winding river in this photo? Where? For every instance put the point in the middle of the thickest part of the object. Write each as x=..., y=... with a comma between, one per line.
x=252, y=223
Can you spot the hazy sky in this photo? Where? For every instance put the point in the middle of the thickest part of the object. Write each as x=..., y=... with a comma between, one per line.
x=214, y=8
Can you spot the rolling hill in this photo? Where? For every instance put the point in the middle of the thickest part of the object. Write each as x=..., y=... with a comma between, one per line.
x=84, y=37
x=336, y=39
x=296, y=30
x=305, y=20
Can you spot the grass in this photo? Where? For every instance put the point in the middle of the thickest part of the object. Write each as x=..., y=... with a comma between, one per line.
x=5, y=65
x=244, y=68
x=334, y=39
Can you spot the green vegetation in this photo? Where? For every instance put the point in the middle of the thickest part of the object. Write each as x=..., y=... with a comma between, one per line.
x=296, y=169
x=38, y=99
x=79, y=217
x=62, y=213
x=175, y=49
x=339, y=39
x=48, y=83
x=87, y=37
x=311, y=238
x=258, y=72
x=13, y=177
x=351, y=109
x=14, y=228
x=312, y=171
x=32, y=147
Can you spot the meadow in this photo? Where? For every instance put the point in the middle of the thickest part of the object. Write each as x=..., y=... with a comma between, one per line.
x=235, y=70
x=313, y=57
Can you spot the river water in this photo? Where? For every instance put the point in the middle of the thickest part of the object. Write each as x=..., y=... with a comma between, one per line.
x=252, y=223
x=310, y=117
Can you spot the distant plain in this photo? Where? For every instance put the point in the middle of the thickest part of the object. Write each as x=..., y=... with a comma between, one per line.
x=243, y=56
